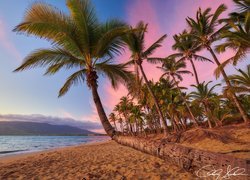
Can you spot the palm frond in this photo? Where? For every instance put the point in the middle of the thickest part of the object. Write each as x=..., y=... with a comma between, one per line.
x=48, y=57
x=117, y=73
x=201, y=58
x=45, y=21
x=217, y=13
x=154, y=46
x=75, y=79
x=111, y=42
x=155, y=60
x=84, y=17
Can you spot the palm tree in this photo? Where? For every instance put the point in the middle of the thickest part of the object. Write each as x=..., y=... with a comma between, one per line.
x=137, y=117
x=204, y=33
x=187, y=49
x=112, y=118
x=125, y=106
x=241, y=82
x=173, y=68
x=203, y=95
x=135, y=42
x=220, y=114
x=79, y=42
x=236, y=38
x=117, y=110
x=240, y=14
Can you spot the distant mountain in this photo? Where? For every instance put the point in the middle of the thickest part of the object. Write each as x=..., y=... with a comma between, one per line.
x=31, y=128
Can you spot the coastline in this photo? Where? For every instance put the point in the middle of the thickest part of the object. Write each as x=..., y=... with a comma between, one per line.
x=99, y=160
x=13, y=157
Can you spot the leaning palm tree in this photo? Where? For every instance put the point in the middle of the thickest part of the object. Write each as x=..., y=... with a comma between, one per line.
x=187, y=49
x=80, y=42
x=135, y=41
x=204, y=32
x=241, y=82
x=174, y=69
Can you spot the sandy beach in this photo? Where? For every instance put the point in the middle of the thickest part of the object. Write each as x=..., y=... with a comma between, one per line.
x=105, y=160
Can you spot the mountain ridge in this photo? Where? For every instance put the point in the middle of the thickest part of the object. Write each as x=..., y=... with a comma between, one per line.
x=38, y=128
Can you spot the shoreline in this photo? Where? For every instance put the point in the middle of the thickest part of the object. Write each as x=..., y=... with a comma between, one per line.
x=99, y=160
x=13, y=157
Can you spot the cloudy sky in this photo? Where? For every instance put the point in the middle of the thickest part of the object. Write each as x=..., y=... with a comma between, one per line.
x=27, y=93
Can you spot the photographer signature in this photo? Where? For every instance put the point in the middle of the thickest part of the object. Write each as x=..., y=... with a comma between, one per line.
x=219, y=174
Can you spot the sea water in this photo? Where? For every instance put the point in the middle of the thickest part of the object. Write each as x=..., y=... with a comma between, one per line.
x=22, y=144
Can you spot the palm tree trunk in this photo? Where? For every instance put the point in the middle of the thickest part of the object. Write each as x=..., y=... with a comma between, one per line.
x=102, y=115
x=137, y=75
x=115, y=125
x=195, y=72
x=164, y=123
x=235, y=99
x=208, y=118
x=185, y=102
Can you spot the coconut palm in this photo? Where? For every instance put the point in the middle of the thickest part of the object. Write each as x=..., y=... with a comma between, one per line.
x=173, y=68
x=125, y=106
x=112, y=118
x=203, y=95
x=135, y=42
x=220, y=114
x=236, y=38
x=137, y=117
x=239, y=15
x=117, y=110
x=241, y=82
x=187, y=49
x=80, y=42
x=204, y=32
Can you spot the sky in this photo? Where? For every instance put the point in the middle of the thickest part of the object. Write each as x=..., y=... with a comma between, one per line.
x=30, y=94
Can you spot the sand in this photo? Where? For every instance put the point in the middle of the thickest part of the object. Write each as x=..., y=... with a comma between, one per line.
x=106, y=160
x=238, y=147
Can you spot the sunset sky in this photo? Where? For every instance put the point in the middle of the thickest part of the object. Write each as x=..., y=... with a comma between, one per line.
x=29, y=92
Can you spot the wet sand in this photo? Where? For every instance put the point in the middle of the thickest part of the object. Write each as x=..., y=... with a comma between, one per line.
x=106, y=160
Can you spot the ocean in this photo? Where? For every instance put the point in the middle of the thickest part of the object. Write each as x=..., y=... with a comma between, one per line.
x=23, y=144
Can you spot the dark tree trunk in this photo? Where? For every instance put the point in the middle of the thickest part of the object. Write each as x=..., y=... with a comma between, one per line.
x=195, y=72
x=102, y=115
x=235, y=99
x=186, y=104
x=163, y=121
x=208, y=112
x=115, y=125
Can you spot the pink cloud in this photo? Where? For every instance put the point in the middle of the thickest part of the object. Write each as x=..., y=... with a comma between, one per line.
x=6, y=43
x=91, y=117
x=98, y=131
x=66, y=114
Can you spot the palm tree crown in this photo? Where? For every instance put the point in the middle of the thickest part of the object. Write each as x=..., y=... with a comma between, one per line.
x=187, y=48
x=204, y=28
x=174, y=68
